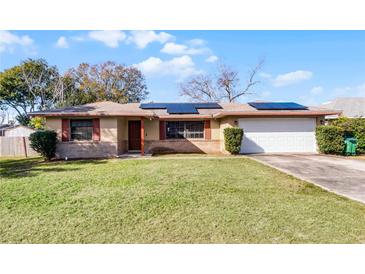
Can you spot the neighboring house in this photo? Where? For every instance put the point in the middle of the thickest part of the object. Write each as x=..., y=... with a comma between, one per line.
x=351, y=107
x=107, y=129
x=18, y=131
x=3, y=128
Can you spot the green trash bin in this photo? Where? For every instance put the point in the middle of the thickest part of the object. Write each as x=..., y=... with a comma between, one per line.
x=350, y=146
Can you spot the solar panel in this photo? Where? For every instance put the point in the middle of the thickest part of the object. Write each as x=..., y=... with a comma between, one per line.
x=153, y=106
x=207, y=105
x=181, y=108
x=277, y=106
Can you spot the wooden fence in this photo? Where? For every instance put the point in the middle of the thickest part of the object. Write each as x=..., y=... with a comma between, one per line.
x=16, y=146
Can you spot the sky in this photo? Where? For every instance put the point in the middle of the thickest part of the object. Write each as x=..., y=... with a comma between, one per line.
x=308, y=67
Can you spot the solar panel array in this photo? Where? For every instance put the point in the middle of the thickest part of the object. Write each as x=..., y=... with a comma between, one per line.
x=277, y=106
x=181, y=108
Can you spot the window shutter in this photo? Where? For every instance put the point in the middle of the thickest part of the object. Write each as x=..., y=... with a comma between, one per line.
x=65, y=130
x=207, y=130
x=162, y=130
x=96, y=129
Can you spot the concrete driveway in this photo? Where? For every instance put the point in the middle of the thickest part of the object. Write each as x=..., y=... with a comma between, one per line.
x=340, y=175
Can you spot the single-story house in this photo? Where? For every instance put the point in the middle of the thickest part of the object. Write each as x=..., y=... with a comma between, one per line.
x=18, y=131
x=107, y=129
x=351, y=107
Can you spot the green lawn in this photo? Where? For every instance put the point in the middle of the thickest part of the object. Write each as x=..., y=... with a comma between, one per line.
x=164, y=200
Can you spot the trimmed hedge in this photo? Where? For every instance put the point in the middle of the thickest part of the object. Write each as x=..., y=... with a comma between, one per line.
x=330, y=139
x=353, y=127
x=233, y=139
x=44, y=142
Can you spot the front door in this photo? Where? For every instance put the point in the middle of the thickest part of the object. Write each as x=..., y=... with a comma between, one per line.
x=134, y=135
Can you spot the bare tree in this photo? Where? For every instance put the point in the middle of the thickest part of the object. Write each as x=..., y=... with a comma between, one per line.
x=2, y=117
x=200, y=88
x=59, y=90
x=225, y=86
x=39, y=79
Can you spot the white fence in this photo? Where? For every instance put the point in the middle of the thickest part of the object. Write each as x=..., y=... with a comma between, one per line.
x=16, y=146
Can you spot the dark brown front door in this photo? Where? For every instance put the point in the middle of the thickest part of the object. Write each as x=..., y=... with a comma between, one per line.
x=134, y=135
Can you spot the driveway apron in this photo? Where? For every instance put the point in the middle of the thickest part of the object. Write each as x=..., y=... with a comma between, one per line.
x=341, y=175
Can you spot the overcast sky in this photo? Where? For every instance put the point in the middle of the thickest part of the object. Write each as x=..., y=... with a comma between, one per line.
x=309, y=67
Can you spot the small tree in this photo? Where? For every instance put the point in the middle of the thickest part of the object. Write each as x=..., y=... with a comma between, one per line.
x=44, y=142
x=233, y=139
x=37, y=122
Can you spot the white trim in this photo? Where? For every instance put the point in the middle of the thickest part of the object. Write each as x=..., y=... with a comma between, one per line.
x=278, y=135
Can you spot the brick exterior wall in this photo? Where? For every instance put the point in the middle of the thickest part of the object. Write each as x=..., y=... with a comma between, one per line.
x=183, y=146
x=122, y=146
x=74, y=150
x=114, y=140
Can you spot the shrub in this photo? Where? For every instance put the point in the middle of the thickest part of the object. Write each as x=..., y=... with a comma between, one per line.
x=359, y=134
x=44, y=142
x=161, y=150
x=353, y=127
x=37, y=122
x=233, y=139
x=330, y=139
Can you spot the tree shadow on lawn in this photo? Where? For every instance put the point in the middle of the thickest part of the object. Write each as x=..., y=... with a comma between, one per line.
x=30, y=167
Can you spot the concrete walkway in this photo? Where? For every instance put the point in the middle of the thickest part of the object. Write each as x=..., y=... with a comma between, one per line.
x=337, y=174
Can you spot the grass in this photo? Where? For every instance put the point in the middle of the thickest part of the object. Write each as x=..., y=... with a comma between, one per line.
x=359, y=157
x=219, y=200
x=184, y=155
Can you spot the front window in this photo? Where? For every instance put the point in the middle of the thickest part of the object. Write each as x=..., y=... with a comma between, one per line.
x=184, y=129
x=81, y=129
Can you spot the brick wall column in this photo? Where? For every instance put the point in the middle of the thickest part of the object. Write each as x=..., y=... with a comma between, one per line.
x=142, y=136
x=207, y=130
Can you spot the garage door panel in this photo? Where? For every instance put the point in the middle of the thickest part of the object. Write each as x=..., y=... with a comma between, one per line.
x=278, y=124
x=278, y=135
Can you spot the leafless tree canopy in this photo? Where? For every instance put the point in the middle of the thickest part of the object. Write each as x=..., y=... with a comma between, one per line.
x=200, y=88
x=2, y=117
x=226, y=86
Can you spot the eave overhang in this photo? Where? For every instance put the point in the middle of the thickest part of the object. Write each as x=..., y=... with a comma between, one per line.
x=308, y=113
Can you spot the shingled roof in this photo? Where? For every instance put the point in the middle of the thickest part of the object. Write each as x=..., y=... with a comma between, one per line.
x=106, y=108
x=352, y=107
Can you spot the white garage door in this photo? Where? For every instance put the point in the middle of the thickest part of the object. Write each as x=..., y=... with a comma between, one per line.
x=278, y=135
